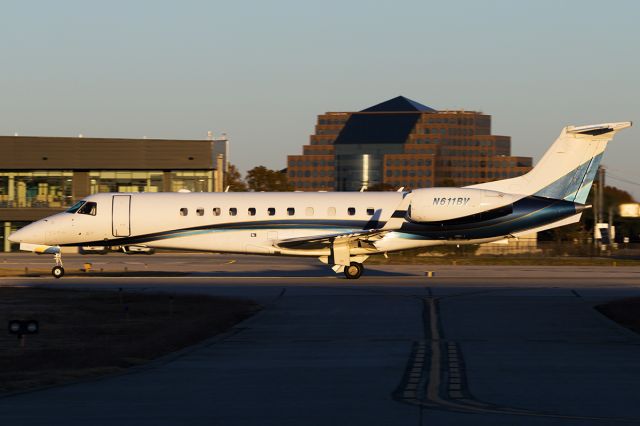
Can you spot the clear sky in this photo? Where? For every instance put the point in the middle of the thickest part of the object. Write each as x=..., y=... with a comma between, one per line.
x=261, y=71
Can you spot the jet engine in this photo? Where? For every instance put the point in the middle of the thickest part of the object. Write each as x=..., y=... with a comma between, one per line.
x=441, y=204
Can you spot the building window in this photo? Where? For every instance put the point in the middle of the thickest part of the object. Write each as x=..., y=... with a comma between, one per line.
x=233, y=211
x=35, y=189
x=216, y=211
x=200, y=211
x=351, y=211
x=251, y=211
x=184, y=211
x=271, y=211
x=194, y=181
x=291, y=211
x=309, y=211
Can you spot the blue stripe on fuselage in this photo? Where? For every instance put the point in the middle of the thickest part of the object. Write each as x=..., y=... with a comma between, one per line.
x=528, y=213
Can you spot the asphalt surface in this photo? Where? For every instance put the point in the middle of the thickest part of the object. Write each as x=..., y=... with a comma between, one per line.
x=472, y=345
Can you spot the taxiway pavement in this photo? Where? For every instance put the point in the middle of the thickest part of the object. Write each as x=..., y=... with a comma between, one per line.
x=474, y=345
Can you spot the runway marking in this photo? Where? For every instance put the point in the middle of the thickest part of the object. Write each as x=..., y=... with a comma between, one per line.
x=452, y=394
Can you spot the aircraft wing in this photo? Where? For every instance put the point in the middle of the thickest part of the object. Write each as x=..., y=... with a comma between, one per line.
x=364, y=237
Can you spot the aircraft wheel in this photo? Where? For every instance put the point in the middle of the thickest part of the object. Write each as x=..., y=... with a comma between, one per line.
x=353, y=271
x=57, y=272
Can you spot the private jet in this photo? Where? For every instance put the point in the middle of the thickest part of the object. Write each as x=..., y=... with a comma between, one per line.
x=341, y=229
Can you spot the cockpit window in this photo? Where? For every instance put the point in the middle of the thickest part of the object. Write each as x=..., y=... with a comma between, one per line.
x=89, y=208
x=76, y=207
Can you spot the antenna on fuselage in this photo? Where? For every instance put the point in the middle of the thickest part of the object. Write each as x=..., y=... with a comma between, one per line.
x=227, y=188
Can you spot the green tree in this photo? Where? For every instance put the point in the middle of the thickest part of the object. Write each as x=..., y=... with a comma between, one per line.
x=262, y=179
x=233, y=180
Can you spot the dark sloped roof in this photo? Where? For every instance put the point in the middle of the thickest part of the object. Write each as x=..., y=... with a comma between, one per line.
x=377, y=128
x=399, y=104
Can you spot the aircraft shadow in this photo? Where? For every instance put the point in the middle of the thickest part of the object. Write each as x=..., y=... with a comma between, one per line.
x=307, y=273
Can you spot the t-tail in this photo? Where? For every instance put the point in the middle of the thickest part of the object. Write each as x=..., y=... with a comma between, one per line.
x=568, y=168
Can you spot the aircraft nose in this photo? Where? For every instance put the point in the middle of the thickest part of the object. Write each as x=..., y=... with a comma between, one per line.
x=31, y=234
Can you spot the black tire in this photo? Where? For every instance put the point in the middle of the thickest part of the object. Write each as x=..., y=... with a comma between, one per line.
x=57, y=272
x=353, y=271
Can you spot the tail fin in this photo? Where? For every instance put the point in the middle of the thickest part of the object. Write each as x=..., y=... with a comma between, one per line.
x=568, y=168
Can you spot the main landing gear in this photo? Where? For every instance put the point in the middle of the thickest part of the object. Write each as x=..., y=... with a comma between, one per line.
x=353, y=271
x=58, y=271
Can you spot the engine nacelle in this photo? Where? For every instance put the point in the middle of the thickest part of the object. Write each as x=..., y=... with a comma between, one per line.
x=440, y=204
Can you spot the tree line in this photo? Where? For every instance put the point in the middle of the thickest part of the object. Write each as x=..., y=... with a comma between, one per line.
x=257, y=179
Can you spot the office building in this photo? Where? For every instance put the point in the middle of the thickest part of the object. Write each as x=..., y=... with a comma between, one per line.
x=402, y=143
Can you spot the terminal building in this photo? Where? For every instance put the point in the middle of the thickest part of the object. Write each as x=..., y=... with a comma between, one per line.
x=402, y=143
x=41, y=176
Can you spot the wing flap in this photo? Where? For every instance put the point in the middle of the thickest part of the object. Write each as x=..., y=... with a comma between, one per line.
x=310, y=243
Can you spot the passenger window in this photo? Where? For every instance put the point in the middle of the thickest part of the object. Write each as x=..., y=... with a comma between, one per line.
x=217, y=211
x=371, y=211
x=331, y=211
x=200, y=211
x=233, y=211
x=271, y=211
x=351, y=211
x=252, y=211
x=291, y=211
x=184, y=211
x=309, y=211
x=89, y=208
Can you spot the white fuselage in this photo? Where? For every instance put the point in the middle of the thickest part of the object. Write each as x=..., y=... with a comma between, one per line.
x=253, y=222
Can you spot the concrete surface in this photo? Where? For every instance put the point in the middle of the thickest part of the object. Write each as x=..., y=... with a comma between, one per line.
x=474, y=345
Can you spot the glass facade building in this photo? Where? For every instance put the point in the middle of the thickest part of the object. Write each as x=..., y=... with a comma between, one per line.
x=40, y=176
x=38, y=188
x=402, y=143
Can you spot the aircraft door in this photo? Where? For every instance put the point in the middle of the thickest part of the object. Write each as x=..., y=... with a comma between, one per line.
x=121, y=210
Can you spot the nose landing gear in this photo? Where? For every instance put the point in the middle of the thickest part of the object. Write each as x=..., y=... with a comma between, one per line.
x=58, y=270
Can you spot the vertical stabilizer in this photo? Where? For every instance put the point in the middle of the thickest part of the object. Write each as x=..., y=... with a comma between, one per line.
x=568, y=168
